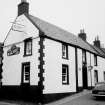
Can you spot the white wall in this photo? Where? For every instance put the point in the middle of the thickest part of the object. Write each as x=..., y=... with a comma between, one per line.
x=101, y=68
x=12, y=65
x=79, y=52
x=53, y=68
x=90, y=73
x=90, y=62
x=25, y=29
x=92, y=70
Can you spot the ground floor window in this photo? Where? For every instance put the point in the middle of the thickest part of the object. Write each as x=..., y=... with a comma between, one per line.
x=26, y=72
x=96, y=76
x=65, y=74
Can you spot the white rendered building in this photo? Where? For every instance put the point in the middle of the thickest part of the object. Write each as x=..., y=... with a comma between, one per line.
x=40, y=58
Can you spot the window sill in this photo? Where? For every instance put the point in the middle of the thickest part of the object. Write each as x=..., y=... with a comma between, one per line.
x=25, y=84
x=65, y=83
x=27, y=55
x=65, y=58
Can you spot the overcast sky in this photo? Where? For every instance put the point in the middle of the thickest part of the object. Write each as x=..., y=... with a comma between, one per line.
x=71, y=15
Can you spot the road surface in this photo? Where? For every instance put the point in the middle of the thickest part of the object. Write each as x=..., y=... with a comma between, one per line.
x=87, y=99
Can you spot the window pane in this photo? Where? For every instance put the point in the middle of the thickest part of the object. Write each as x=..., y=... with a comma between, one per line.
x=63, y=78
x=28, y=48
x=27, y=77
x=27, y=68
x=84, y=56
x=64, y=71
x=95, y=60
x=96, y=76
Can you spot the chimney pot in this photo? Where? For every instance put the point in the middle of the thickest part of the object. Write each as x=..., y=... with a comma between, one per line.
x=97, y=42
x=82, y=35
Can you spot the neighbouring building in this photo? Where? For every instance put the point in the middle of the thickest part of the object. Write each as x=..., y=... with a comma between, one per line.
x=42, y=59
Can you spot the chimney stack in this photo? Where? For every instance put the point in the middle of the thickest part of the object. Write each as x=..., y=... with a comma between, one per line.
x=97, y=42
x=82, y=35
x=23, y=7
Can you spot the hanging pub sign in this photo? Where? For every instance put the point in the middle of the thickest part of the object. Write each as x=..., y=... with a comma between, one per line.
x=90, y=67
x=13, y=50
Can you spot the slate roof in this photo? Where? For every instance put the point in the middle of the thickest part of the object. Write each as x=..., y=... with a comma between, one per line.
x=99, y=51
x=57, y=33
x=103, y=49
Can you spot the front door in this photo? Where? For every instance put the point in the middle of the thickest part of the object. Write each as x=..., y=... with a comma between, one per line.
x=84, y=73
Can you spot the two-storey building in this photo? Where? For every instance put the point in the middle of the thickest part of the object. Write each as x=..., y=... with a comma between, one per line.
x=41, y=58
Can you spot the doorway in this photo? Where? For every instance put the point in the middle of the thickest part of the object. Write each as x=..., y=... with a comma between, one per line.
x=84, y=75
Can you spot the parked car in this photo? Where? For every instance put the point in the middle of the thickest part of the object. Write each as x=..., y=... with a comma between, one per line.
x=99, y=89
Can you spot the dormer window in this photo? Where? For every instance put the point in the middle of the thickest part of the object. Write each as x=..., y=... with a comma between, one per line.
x=28, y=47
x=64, y=51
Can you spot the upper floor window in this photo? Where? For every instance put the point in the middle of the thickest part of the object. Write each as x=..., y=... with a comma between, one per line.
x=65, y=74
x=95, y=60
x=64, y=51
x=84, y=56
x=28, y=47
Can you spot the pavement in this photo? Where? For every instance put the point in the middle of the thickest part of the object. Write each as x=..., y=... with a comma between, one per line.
x=69, y=98
x=6, y=103
x=59, y=102
x=15, y=102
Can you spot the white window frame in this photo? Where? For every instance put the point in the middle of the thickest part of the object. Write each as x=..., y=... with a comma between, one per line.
x=25, y=74
x=65, y=74
x=28, y=47
x=64, y=51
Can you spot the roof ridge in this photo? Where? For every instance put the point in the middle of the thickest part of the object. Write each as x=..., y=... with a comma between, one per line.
x=52, y=24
